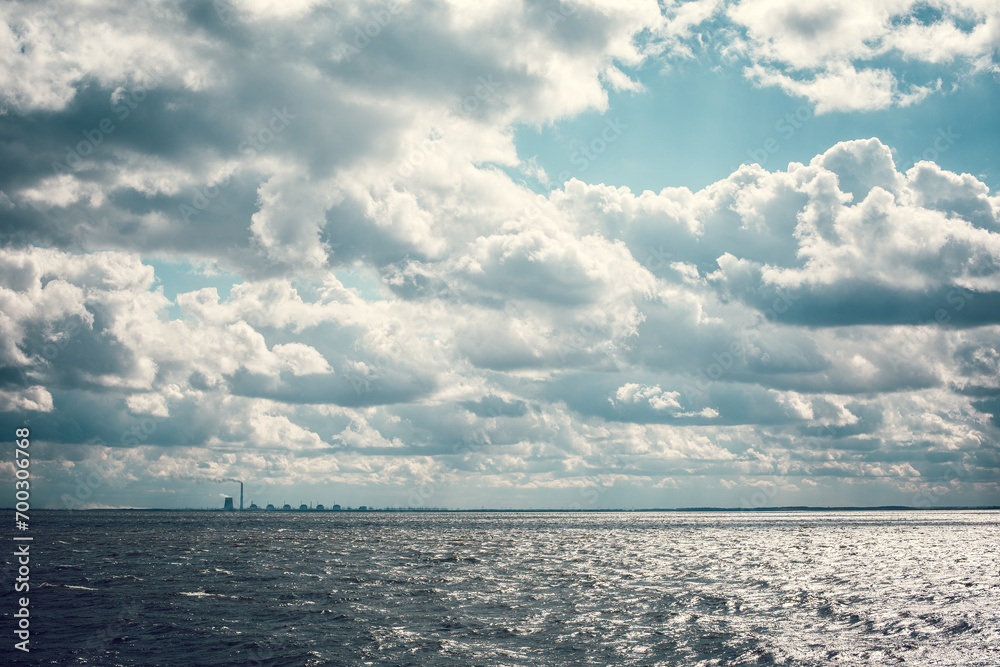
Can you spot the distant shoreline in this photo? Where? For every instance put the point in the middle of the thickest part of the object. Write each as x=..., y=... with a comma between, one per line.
x=403, y=510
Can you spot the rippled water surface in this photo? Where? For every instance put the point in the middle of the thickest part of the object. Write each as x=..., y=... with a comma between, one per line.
x=207, y=588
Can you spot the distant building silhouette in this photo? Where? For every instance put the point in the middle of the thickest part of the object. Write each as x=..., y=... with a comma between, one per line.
x=270, y=506
x=320, y=507
x=228, y=504
x=303, y=506
x=286, y=506
x=336, y=508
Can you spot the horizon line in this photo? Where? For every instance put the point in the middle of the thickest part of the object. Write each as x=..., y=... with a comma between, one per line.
x=417, y=510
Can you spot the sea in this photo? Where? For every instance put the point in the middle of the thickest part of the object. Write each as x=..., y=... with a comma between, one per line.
x=506, y=588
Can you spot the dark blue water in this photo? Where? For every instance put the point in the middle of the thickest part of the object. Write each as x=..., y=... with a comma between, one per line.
x=207, y=588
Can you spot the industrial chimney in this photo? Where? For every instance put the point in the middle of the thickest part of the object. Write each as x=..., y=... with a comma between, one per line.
x=241, y=496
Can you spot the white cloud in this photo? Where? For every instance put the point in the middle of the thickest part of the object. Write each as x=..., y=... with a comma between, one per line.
x=407, y=313
x=54, y=47
x=32, y=399
x=654, y=396
x=841, y=87
x=148, y=404
x=826, y=52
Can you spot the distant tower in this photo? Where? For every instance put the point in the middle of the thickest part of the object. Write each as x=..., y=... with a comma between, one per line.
x=228, y=504
x=241, y=496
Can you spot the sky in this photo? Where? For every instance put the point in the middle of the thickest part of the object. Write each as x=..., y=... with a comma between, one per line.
x=432, y=253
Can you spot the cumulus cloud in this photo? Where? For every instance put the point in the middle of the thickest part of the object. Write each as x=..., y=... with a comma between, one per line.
x=390, y=305
x=725, y=333
x=654, y=396
x=827, y=52
x=33, y=399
